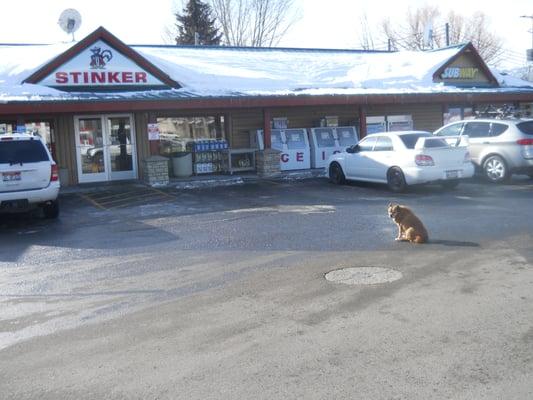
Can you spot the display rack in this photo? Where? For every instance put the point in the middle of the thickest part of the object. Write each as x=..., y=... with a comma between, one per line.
x=241, y=160
x=209, y=156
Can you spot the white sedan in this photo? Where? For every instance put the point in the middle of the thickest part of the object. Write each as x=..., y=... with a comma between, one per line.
x=400, y=159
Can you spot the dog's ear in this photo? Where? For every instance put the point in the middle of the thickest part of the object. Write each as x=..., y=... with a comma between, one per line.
x=390, y=205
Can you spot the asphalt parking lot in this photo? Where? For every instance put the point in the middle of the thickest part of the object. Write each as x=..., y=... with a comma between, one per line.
x=221, y=293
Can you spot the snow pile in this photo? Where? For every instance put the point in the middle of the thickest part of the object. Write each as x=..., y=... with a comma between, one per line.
x=221, y=72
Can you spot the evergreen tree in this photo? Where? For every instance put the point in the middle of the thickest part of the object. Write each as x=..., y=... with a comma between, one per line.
x=196, y=18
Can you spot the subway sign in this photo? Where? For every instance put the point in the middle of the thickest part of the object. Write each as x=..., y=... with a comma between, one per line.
x=100, y=66
x=460, y=73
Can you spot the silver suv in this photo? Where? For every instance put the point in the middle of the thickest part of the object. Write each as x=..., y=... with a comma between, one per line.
x=29, y=177
x=498, y=147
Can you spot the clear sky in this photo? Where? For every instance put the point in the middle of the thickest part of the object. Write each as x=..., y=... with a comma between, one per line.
x=329, y=24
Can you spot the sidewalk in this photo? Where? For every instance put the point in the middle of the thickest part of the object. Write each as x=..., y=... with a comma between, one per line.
x=193, y=182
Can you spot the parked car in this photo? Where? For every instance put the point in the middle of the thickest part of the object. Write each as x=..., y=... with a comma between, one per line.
x=29, y=175
x=498, y=147
x=400, y=159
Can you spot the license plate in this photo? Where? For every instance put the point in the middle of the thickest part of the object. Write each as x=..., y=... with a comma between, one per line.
x=14, y=205
x=11, y=176
x=452, y=174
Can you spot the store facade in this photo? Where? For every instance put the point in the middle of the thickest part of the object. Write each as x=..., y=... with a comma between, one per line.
x=105, y=107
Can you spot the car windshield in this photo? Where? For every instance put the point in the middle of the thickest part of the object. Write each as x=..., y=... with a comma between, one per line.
x=526, y=127
x=410, y=139
x=22, y=151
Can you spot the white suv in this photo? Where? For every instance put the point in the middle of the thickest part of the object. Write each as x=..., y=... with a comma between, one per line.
x=498, y=147
x=29, y=177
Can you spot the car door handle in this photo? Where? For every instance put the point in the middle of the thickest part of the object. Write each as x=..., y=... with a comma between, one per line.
x=486, y=142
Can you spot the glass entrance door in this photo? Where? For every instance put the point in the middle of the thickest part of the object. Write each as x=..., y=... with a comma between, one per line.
x=105, y=148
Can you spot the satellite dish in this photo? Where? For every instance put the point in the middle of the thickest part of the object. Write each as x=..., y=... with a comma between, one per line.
x=70, y=21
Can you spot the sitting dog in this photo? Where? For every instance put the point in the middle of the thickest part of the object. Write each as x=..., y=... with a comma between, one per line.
x=410, y=228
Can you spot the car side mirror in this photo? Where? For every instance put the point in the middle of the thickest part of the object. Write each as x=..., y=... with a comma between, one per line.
x=353, y=149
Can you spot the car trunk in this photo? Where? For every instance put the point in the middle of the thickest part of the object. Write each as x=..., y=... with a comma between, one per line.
x=446, y=157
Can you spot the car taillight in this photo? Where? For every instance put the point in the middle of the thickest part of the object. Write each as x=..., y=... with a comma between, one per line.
x=467, y=158
x=525, y=142
x=54, y=175
x=423, y=160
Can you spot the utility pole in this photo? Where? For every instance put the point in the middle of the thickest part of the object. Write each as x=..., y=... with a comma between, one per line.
x=531, y=18
x=447, y=26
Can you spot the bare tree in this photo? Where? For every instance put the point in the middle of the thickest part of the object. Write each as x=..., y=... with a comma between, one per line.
x=258, y=23
x=410, y=35
x=366, y=39
x=475, y=29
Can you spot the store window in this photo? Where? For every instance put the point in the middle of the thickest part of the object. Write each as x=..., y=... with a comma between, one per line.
x=458, y=113
x=383, y=144
x=177, y=134
x=38, y=128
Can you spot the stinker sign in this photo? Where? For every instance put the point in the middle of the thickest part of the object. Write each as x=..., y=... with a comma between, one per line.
x=100, y=66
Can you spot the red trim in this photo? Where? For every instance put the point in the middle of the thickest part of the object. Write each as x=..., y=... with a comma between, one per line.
x=267, y=130
x=468, y=47
x=100, y=34
x=256, y=102
x=362, y=122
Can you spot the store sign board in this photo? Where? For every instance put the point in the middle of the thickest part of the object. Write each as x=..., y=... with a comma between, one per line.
x=460, y=73
x=100, y=65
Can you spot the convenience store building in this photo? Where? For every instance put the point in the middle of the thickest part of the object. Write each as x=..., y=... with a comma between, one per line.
x=105, y=107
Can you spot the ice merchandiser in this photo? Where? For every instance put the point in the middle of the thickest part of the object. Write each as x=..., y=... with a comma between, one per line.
x=276, y=140
x=326, y=141
x=293, y=144
x=375, y=125
x=297, y=154
x=346, y=136
x=399, y=123
x=323, y=144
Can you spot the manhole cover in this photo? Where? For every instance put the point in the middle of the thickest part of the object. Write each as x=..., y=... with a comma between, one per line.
x=363, y=275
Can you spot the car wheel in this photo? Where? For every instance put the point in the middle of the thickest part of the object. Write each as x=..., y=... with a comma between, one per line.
x=396, y=180
x=449, y=185
x=495, y=169
x=336, y=175
x=51, y=209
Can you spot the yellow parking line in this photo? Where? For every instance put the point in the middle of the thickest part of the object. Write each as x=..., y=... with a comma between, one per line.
x=115, y=195
x=130, y=199
x=94, y=203
x=164, y=193
x=155, y=201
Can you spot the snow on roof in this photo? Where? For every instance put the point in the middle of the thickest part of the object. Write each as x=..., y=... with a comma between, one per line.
x=227, y=71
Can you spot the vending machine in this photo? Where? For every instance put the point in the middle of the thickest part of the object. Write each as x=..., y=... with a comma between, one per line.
x=293, y=144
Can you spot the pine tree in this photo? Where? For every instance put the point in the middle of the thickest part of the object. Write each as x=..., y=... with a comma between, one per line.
x=196, y=18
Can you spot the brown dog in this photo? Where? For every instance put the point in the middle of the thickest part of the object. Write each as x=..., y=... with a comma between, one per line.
x=410, y=228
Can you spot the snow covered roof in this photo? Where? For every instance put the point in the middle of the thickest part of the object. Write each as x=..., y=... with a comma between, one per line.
x=218, y=72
